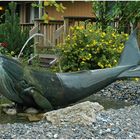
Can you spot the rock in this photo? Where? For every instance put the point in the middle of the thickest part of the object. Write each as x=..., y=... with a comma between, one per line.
x=138, y=137
x=109, y=136
x=49, y=135
x=31, y=110
x=7, y=105
x=9, y=111
x=82, y=113
x=55, y=136
x=138, y=92
x=34, y=117
x=115, y=130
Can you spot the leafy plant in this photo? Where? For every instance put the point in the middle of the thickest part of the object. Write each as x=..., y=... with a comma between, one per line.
x=91, y=48
x=11, y=31
x=121, y=12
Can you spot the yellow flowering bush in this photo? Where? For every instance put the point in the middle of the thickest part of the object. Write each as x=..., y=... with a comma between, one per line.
x=91, y=48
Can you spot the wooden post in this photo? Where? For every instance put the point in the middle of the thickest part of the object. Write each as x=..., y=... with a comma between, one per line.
x=66, y=26
x=40, y=9
x=45, y=35
x=24, y=13
x=37, y=23
x=36, y=40
x=21, y=13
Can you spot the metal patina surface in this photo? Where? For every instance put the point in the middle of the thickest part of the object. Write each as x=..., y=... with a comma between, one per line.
x=48, y=91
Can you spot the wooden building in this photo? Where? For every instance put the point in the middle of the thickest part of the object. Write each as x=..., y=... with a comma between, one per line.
x=76, y=11
x=73, y=8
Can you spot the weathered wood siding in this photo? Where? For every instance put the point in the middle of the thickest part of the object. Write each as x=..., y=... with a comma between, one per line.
x=77, y=8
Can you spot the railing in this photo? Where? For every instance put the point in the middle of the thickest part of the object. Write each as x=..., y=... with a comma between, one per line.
x=26, y=26
x=55, y=31
x=49, y=30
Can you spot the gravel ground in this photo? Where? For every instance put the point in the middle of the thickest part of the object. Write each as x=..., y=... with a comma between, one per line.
x=123, y=123
x=119, y=124
x=128, y=91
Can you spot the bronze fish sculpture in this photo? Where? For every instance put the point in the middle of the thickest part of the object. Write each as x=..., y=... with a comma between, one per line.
x=44, y=90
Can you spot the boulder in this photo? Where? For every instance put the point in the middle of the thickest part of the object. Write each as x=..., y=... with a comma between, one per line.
x=82, y=113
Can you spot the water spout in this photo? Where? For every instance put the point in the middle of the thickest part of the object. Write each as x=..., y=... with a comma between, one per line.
x=36, y=34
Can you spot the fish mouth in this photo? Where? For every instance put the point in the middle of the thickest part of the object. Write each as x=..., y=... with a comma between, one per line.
x=11, y=66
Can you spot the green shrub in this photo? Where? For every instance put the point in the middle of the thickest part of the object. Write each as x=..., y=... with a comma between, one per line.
x=11, y=33
x=91, y=48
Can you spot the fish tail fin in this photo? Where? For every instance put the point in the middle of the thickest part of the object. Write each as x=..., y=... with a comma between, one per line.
x=131, y=53
x=131, y=57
